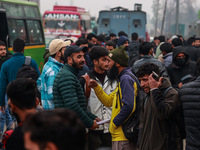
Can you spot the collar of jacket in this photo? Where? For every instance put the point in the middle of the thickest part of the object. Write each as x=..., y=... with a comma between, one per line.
x=72, y=69
x=18, y=54
x=169, y=54
x=122, y=72
x=165, y=84
x=147, y=56
x=55, y=61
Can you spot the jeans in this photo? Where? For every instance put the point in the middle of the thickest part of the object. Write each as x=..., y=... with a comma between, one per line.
x=5, y=117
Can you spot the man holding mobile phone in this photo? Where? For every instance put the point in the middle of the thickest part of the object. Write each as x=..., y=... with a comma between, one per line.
x=158, y=125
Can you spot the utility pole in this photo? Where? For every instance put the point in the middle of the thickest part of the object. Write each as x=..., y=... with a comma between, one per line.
x=177, y=15
x=163, y=21
x=156, y=25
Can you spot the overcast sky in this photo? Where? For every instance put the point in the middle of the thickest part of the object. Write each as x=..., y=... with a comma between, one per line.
x=94, y=6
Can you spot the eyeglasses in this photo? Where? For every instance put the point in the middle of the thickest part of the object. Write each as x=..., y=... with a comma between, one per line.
x=183, y=56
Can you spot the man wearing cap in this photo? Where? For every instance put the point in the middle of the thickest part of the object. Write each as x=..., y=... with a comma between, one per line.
x=122, y=99
x=67, y=90
x=50, y=70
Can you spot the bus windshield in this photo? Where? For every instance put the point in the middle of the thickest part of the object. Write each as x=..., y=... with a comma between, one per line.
x=65, y=24
x=61, y=24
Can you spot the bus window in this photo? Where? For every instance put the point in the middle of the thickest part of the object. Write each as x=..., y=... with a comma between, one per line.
x=3, y=27
x=16, y=30
x=31, y=12
x=13, y=10
x=34, y=30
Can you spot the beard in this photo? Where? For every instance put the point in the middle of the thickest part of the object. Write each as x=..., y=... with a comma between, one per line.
x=113, y=72
x=126, y=48
x=77, y=65
x=2, y=54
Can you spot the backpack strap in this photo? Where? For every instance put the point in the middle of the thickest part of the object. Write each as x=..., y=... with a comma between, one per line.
x=135, y=79
x=166, y=91
x=88, y=89
x=27, y=60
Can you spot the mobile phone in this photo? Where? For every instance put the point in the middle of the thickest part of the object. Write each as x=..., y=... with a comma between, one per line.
x=155, y=76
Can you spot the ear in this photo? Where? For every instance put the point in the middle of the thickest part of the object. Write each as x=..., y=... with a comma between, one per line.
x=69, y=60
x=58, y=53
x=95, y=62
x=117, y=65
x=12, y=106
x=51, y=146
x=37, y=101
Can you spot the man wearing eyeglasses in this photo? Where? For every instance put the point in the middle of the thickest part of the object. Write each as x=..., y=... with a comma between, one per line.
x=3, y=53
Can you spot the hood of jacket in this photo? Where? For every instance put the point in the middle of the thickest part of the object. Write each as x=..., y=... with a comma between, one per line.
x=177, y=50
x=122, y=40
x=165, y=84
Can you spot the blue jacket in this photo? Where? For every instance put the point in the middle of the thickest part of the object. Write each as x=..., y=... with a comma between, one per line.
x=9, y=71
x=45, y=82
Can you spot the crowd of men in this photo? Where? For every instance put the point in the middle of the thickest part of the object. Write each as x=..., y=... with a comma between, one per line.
x=100, y=78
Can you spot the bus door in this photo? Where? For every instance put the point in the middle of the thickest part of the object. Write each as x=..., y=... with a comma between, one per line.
x=3, y=27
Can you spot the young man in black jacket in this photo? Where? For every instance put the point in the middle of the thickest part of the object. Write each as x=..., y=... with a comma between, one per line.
x=4, y=55
x=22, y=101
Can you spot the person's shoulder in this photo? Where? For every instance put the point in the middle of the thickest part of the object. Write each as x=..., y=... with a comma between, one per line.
x=128, y=75
x=33, y=61
x=7, y=63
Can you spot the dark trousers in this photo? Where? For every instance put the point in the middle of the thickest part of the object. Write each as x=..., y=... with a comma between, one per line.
x=98, y=139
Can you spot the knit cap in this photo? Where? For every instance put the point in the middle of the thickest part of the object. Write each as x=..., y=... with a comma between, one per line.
x=119, y=55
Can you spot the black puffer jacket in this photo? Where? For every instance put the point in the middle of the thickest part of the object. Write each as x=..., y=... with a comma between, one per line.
x=189, y=95
x=3, y=59
x=193, y=52
x=175, y=72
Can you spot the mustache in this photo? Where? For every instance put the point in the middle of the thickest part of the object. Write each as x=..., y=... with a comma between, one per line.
x=82, y=63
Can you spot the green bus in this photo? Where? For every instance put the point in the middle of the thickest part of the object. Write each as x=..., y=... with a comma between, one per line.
x=21, y=19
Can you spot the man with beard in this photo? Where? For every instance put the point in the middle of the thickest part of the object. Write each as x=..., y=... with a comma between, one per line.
x=3, y=53
x=180, y=67
x=123, y=40
x=23, y=102
x=99, y=137
x=122, y=99
x=51, y=68
x=67, y=90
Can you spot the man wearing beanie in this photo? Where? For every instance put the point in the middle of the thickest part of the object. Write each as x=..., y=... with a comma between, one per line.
x=122, y=99
x=51, y=68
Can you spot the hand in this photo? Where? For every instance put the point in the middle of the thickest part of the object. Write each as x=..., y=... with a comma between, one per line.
x=2, y=109
x=92, y=83
x=153, y=84
x=180, y=84
x=95, y=125
x=97, y=119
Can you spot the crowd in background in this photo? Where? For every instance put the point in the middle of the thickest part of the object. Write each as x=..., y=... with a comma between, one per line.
x=100, y=77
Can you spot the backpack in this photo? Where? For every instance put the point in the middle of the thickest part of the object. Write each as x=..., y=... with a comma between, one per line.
x=26, y=71
x=131, y=126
